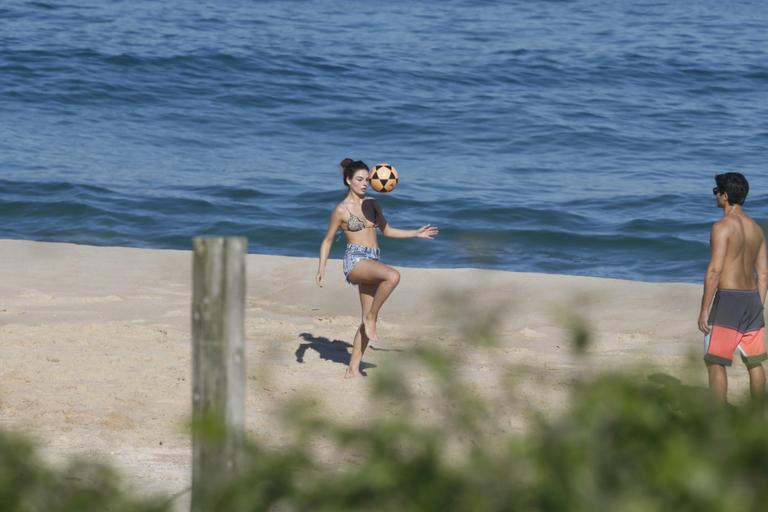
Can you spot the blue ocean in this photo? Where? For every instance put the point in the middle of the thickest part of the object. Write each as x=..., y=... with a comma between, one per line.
x=570, y=137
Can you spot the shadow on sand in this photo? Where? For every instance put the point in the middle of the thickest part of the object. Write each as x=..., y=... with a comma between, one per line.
x=668, y=381
x=336, y=350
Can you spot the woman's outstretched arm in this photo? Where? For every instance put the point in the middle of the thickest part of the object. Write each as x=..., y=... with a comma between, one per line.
x=325, y=246
x=427, y=231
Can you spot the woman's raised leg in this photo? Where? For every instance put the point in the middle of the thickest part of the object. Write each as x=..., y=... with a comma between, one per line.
x=367, y=292
x=375, y=273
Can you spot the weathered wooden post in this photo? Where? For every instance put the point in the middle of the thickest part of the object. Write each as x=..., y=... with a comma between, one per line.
x=218, y=363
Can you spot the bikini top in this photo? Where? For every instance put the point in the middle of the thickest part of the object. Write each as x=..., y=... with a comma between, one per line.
x=355, y=224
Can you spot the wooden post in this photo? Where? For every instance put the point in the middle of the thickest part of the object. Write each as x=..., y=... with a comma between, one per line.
x=218, y=363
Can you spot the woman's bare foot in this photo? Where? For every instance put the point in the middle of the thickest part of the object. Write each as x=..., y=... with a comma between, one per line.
x=352, y=374
x=369, y=324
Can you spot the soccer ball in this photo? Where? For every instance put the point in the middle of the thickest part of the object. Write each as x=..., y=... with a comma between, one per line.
x=383, y=178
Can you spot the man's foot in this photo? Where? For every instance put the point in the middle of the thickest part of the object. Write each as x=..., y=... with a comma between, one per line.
x=352, y=374
x=369, y=324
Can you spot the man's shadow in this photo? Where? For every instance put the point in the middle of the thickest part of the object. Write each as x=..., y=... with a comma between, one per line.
x=335, y=350
x=669, y=382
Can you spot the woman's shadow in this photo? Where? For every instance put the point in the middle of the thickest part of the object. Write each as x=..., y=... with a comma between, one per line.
x=336, y=350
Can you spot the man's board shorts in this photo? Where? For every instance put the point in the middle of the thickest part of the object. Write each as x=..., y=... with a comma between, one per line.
x=354, y=253
x=736, y=321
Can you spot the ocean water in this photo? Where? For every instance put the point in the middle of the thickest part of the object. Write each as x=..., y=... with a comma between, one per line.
x=574, y=137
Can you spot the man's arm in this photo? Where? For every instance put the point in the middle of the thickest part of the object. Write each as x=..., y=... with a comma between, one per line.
x=761, y=267
x=718, y=242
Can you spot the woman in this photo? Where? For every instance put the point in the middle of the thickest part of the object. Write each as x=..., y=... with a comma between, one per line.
x=359, y=216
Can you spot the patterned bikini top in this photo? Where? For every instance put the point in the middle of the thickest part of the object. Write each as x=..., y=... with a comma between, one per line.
x=355, y=224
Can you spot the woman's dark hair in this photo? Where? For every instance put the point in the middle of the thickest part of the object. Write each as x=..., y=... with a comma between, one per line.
x=350, y=167
x=735, y=185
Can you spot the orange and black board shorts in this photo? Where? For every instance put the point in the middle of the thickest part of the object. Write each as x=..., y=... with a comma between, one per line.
x=736, y=322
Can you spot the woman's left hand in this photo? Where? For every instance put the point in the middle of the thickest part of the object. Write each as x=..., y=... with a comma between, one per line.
x=429, y=231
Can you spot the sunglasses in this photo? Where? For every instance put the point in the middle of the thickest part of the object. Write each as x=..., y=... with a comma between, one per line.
x=717, y=191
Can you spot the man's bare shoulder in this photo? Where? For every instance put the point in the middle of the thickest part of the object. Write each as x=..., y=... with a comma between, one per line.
x=723, y=225
x=744, y=224
x=752, y=222
x=744, y=221
x=755, y=228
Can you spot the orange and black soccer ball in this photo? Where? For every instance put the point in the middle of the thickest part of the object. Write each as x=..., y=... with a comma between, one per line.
x=383, y=178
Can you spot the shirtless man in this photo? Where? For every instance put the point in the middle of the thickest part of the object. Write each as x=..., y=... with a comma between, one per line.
x=734, y=286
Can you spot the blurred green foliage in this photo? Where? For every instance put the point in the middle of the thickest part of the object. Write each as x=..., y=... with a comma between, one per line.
x=28, y=484
x=626, y=444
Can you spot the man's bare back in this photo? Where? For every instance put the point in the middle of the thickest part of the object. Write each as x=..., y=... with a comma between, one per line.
x=743, y=241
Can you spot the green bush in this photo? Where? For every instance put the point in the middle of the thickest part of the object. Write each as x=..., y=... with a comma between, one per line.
x=27, y=484
x=626, y=443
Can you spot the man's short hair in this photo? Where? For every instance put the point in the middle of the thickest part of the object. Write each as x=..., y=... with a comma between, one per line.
x=735, y=185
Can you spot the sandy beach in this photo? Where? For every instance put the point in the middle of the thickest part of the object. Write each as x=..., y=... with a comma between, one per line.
x=95, y=353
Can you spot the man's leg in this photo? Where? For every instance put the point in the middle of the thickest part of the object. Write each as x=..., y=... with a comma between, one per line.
x=718, y=381
x=757, y=382
x=752, y=349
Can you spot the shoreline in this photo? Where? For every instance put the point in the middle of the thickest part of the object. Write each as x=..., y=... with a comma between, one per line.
x=399, y=265
x=96, y=355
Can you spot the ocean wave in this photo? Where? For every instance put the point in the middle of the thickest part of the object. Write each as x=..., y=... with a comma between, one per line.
x=569, y=137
